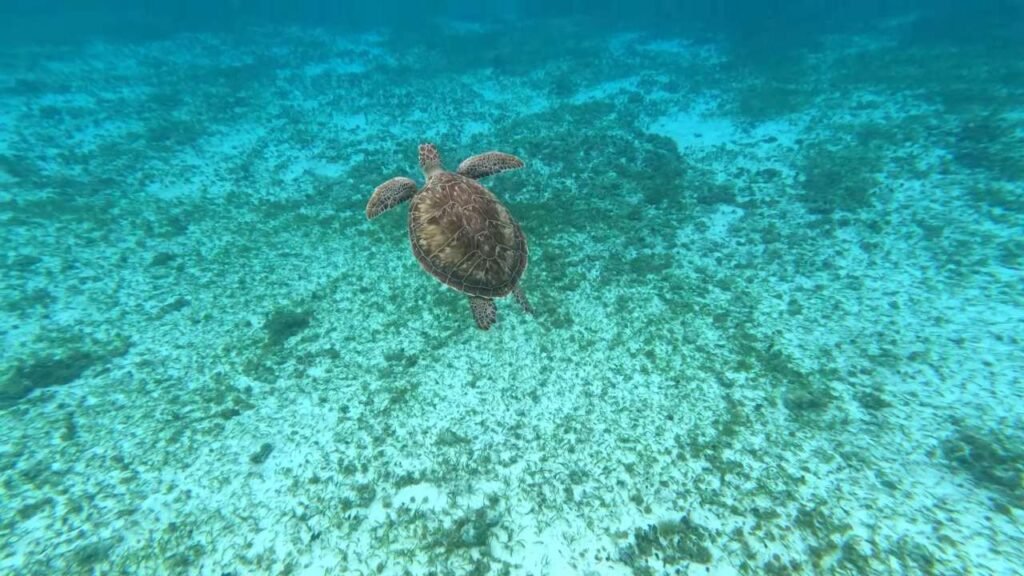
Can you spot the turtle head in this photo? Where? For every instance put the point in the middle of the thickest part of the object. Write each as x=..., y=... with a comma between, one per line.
x=430, y=160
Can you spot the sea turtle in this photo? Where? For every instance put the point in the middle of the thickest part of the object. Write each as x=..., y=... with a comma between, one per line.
x=460, y=232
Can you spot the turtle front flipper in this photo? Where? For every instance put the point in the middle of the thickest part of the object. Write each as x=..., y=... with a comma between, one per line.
x=484, y=311
x=487, y=164
x=390, y=194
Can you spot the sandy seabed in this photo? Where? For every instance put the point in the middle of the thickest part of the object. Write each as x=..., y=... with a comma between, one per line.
x=778, y=309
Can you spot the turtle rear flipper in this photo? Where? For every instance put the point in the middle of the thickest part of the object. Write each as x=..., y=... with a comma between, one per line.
x=521, y=299
x=487, y=164
x=484, y=311
x=390, y=194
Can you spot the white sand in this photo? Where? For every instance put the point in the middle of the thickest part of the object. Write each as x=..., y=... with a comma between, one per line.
x=405, y=441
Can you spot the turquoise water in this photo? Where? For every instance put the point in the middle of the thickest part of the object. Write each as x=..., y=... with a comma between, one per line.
x=775, y=266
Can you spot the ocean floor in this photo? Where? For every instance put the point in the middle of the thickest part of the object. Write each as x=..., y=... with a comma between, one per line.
x=778, y=328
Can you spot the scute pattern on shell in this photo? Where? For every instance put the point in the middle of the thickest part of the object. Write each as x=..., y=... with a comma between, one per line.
x=465, y=237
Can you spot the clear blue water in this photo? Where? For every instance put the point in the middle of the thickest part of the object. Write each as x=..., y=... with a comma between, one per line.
x=775, y=258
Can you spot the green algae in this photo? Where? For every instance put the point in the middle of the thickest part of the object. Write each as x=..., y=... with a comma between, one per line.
x=992, y=458
x=839, y=178
x=89, y=556
x=45, y=372
x=262, y=454
x=672, y=542
x=769, y=99
x=806, y=398
x=284, y=324
x=873, y=400
x=564, y=258
x=992, y=143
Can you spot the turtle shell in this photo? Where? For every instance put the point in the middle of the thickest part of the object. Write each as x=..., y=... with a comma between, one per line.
x=463, y=235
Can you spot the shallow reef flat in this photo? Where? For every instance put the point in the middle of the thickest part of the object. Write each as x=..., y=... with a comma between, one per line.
x=778, y=309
